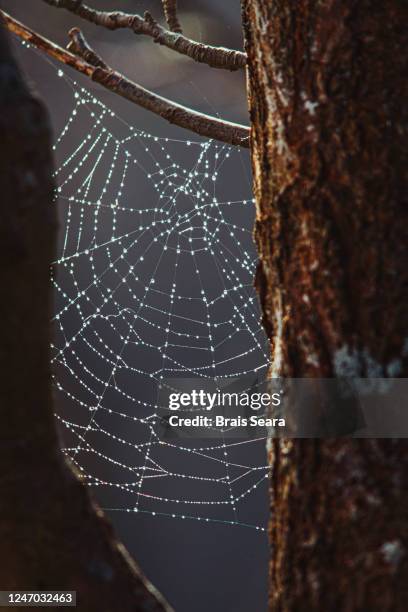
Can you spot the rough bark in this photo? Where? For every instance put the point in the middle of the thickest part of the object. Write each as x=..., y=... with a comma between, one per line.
x=170, y=11
x=328, y=105
x=52, y=536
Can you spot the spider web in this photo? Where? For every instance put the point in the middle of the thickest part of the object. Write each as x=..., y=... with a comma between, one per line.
x=153, y=279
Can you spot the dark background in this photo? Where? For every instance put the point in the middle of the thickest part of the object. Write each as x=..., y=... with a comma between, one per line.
x=197, y=566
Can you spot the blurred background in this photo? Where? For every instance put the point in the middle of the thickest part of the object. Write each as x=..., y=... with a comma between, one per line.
x=219, y=565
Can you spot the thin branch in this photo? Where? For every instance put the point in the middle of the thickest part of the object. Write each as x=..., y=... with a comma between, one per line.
x=205, y=125
x=216, y=57
x=170, y=12
x=79, y=46
x=45, y=45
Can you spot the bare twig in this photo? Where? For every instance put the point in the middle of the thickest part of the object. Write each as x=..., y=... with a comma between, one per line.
x=216, y=57
x=79, y=46
x=205, y=125
x=170, y=12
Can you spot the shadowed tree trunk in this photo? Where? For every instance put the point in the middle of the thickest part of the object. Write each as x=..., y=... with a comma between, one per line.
x=328, y=110
x=52, y=536
x=328, y=100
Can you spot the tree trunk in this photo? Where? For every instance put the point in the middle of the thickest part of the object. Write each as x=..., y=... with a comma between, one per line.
x=328, y=106
x=52, y=536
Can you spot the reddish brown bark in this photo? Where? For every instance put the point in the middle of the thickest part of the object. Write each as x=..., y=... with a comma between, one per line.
x=327, y=97
x=52, y=536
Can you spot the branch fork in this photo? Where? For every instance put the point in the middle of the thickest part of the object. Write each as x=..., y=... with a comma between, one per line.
x=216, y=57
x=84, y=59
